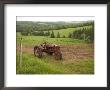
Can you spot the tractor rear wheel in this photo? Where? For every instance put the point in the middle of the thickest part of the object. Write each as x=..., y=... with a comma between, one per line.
x=38, y=52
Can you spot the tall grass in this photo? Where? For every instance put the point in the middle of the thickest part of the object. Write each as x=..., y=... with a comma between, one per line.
x=47, y=65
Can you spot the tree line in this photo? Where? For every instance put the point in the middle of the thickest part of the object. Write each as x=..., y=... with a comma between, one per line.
x=82, y=33
x=28, y=27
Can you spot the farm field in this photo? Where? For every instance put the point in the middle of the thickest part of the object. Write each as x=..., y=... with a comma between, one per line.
x=67, y=31
x=78, y=57
x=72, y=43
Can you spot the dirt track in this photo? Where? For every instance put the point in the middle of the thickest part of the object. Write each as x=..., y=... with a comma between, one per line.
x=70, y=52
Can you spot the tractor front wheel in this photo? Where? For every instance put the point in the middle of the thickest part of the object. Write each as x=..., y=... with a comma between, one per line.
x=58, y=56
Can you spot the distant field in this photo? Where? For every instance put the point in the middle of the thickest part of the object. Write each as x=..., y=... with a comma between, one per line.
x=63, y=31
x=33, y=40
x=67, y=31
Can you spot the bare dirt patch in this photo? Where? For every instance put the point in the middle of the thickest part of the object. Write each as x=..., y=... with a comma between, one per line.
x=75, y=52
x=70, y=52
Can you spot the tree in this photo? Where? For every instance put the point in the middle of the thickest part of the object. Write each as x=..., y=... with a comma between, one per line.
x=83, y=36
x=48, y=33
x=63, y=36
x=52, y=35
x=24, y=33
x=58, y=35
x=69, y=35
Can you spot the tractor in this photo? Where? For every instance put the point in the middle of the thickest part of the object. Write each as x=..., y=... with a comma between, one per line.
x=50, y=49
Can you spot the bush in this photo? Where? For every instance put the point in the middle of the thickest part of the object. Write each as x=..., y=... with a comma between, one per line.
x=58, y=35
x=69, y=35
x=63, y=36
x=24, y=33
x=52, y=35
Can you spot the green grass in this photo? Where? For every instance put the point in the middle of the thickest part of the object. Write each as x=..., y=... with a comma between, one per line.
x=47, y=65
x=63, y=31
x=33, y=40
x=67, y=31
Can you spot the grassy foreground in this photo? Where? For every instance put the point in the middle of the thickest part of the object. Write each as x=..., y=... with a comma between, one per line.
x=47, y=65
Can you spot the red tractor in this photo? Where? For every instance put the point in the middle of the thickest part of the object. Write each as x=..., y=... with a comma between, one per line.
x=49, y=49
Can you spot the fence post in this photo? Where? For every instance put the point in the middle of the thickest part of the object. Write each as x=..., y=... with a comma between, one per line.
x=20, y=52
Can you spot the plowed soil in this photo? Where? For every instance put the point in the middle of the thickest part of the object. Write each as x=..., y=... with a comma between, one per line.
x=69, y=52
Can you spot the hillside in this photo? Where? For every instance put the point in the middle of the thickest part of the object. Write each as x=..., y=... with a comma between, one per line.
x=45, y=26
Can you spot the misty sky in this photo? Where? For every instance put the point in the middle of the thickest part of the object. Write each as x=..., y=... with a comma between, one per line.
x=54, y=18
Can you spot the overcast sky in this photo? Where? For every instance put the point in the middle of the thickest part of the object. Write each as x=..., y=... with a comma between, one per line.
x=54, y=18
